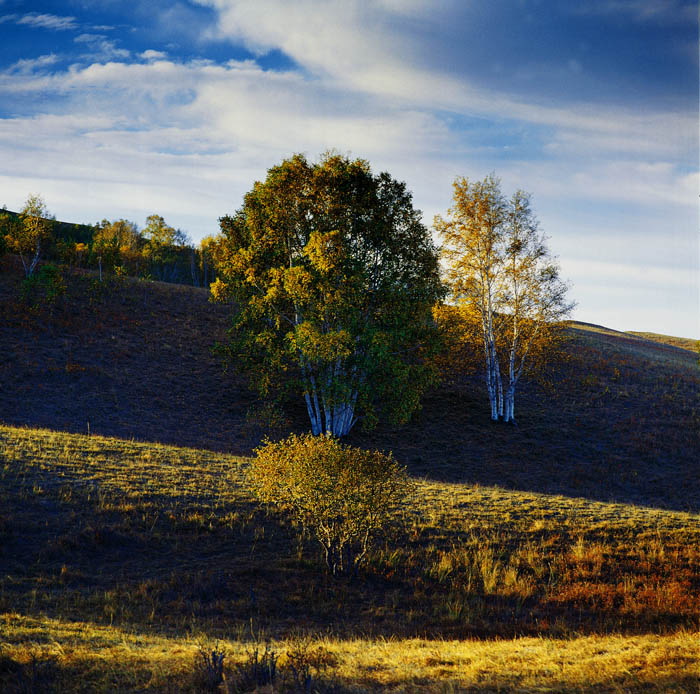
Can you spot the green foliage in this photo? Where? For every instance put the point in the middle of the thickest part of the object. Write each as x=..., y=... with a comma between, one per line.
x=344, y=496
x=44, y=287
x=98, y=290
x=161, y=248
x=333, y=277
x=26, y=234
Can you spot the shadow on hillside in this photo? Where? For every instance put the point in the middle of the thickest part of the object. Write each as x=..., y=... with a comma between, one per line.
x=136, y=362
x=554, y=449
x=161, y=564
x=132, y=360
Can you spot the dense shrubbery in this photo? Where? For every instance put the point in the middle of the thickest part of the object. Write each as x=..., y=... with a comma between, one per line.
x=343, y=496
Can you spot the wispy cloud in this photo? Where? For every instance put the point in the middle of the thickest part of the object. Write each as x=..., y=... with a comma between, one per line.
x=32, y=66
x=101, y=47
x=665, y=11
x=48, y=21
x=153, y=55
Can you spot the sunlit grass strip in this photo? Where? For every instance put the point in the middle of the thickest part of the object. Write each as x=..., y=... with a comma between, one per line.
x=149, y=469
x=103, y=657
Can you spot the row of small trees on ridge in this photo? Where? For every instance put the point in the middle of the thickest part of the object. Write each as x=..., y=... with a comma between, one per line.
x=158, y=251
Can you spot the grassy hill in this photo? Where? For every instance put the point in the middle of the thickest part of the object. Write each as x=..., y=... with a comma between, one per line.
x=621, y=422
x=558, y=555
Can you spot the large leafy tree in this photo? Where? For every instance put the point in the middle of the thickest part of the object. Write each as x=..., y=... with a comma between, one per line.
x=333, y=276
x=505, y=284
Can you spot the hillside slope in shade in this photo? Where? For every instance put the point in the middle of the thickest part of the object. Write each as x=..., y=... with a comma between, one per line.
x=621, y=420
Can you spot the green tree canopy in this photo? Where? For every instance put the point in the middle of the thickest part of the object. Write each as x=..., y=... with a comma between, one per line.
x=333, y=277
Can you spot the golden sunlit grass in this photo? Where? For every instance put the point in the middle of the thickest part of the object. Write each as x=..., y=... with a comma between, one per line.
x=682, y=342
x=112, y=659
x=120, y=557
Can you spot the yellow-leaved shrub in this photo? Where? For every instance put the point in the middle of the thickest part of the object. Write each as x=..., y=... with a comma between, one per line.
x=343, y=496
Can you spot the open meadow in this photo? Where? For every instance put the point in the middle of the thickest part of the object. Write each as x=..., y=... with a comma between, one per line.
x=559, y=555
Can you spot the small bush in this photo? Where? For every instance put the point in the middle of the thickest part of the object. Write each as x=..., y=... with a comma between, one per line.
x=259, y=670
x=304, y=667
x=343, y=496
x=44, y=287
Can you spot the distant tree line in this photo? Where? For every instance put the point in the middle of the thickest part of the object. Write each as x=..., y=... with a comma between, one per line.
x=158, y=251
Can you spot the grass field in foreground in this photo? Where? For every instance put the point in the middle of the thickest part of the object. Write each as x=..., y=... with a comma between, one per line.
x=119, y=557
x=75, y=656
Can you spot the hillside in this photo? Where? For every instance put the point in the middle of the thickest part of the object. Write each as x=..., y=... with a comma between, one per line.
x=557, y=555
x=621, y=420
x=120, y=559
x=682, y=342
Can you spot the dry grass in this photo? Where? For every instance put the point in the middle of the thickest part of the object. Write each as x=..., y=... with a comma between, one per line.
x=131, y=359
x=84, y=657
x=146, y=544
x=681, y=342
x=621, y=420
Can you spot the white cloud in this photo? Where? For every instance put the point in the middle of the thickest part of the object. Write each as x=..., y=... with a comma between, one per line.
x=88, y=38
x=48, y=21
x=204, y=130
x=357, y=46
x=29, y=66
x=639, y=296
x=100, y=47
x=153, y=55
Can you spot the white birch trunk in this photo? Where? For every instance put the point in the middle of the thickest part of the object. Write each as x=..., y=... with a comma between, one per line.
x=499, y=385
x=35, y=260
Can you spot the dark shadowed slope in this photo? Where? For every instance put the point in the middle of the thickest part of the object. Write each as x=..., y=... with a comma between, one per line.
x=132, y=361
x=622, y=421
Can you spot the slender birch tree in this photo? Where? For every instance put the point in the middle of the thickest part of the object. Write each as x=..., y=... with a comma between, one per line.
x=333, y=276
x=28, y=236
x=502, y=277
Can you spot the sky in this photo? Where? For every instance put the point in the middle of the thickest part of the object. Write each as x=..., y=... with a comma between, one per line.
x=121, y=110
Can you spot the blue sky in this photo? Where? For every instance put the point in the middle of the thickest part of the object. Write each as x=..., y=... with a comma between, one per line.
x=176, y=108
